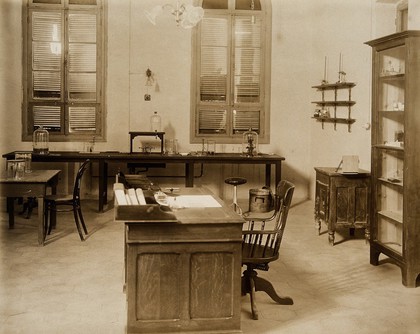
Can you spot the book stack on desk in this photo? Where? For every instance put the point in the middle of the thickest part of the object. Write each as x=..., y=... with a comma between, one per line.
x=136, y=204
x=129, y=196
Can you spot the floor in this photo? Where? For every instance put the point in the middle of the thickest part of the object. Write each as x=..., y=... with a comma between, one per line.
x=69, y=286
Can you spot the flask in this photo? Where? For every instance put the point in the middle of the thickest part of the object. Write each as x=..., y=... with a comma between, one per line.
x=40, y=141
x=155, y=122
x=250, y=143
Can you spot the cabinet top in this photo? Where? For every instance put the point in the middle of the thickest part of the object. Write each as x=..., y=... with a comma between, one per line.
x=333, y=171
x=398, y=35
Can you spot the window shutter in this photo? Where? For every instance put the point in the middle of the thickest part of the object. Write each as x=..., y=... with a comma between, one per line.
x=82, y=119
x=245, y=120
x=82, y=57
x=47, y=116
x=214, y=59
x=212, y=121
x=46, y=55
x=247, y=59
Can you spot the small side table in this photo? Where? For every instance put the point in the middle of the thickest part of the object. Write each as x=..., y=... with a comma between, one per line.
x=342, y=200
x=134, y=134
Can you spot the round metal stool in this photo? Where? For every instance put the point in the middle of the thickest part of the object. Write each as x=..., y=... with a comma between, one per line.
x=236, y=181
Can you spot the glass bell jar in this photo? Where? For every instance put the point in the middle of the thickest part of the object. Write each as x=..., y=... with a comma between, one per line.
x=40, y=141
x=250, y=143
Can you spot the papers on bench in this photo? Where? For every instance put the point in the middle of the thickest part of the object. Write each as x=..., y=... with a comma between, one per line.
x=193, y=201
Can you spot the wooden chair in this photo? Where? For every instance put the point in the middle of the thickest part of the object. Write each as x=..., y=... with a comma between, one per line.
x=261, y=244
x=57, y=203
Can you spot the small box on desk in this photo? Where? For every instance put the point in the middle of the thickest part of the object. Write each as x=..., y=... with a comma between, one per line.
x=127, y=209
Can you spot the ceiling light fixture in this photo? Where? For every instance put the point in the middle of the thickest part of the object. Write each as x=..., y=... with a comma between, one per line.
x=186, y=16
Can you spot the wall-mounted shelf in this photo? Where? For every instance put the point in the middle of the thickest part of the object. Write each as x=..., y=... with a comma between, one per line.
x=337, y=85
x=323, y=115
x=336, y=120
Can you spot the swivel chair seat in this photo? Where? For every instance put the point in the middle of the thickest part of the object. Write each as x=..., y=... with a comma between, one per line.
x=236, y=181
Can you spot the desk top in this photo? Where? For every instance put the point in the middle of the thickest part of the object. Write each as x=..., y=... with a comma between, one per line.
x=67, y=156
x=36, y=176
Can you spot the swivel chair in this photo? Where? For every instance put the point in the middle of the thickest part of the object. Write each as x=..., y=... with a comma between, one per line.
x=261, y=245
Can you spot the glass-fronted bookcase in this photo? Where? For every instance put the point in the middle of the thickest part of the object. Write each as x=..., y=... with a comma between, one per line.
x=395, y=172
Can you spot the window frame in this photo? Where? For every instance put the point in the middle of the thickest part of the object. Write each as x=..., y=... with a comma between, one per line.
x=265, y=83
x=65, y=7
x=402, y=16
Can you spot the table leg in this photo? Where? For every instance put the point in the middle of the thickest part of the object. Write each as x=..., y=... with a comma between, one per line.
x=41, y=226
x=189, y=174
x=278, y=172
x=11, y=211
x=103, y=185
x=268, y=175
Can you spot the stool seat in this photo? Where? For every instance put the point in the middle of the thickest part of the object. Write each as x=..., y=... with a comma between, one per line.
x=235, y=181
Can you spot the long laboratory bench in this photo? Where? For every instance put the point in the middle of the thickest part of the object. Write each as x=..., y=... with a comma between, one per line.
x=190, y=160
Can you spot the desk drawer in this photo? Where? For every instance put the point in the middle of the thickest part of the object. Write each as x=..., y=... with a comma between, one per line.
x=22, y=190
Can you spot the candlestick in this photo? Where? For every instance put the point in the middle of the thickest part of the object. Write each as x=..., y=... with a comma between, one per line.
x=340, y=63
x=325, y=69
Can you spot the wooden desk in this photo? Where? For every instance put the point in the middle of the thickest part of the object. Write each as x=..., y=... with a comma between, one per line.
x=342, y=200
x=31, y=185
x=103, y=158
x=184, y=275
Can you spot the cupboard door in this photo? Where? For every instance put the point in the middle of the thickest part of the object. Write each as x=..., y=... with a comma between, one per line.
x=350, y=201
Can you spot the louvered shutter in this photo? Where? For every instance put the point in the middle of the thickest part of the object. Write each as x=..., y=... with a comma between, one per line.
x=48, y=116
x=247, y=74
x=213, y=75
x=46, y=55
x=82, y=118
x=82, y=57
x=212, y=121
x=245, y=120
x=214, y=59
x=247, y=59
